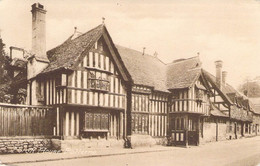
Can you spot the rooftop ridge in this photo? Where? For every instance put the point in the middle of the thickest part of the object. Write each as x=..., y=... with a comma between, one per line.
x=69, y=39
x=117, y=45
x=190, y=58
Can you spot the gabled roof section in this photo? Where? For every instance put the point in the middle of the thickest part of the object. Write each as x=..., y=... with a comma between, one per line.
x=66, y=54
x=214, y=111
x=226, y=89
x=150, y=71
x=144, y=69
x=70, y=53
x=183, y=73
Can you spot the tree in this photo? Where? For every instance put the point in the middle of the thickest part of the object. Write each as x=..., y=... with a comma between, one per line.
x=251, y=89
x=5, y=79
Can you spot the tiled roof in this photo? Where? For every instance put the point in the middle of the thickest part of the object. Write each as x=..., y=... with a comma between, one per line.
x=255, y=104
x=144, y=69
x=216, y=112
x=150, y=71
x=66, y=54
x=183, y=73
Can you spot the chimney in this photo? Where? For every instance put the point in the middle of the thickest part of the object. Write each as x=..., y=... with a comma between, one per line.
x=144, y=50
x=219, y=64
x=38, y=61
x=155, y=54
x=224, y=77
x=38, y=31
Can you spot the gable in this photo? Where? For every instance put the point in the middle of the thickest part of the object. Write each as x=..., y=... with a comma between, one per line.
x=103, y=56
x=183, y=73
x=99, y=59
x=71, y=53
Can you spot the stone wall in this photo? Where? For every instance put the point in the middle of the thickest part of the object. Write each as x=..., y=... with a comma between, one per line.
x=140, y=140
x=24, y=145
x=84, y=145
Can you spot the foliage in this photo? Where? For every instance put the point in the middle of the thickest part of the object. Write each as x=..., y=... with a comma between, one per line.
x=5, y=78
x=251, y=89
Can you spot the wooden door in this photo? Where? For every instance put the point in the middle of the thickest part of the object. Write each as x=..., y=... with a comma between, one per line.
x=193, y=130
x=178, y=133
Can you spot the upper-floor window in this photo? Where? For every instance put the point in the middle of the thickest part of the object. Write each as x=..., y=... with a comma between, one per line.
x=98, y=81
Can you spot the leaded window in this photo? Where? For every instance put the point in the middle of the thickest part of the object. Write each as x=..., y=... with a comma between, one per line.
x=98, y=81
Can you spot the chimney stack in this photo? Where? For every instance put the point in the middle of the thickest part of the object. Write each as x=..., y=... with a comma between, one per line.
x=224, y=77
x=38, y=31
x=219, y=64
x=38, y=60
x=144, y=50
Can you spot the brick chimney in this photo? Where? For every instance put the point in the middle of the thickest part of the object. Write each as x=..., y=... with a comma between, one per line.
x=38, y=60
x=224, y=77
x=219, y=64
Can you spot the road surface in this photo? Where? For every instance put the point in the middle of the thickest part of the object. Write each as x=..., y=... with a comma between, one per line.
x=242, y=152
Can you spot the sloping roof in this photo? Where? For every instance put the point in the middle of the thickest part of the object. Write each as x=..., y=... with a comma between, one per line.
x=19, y=63
x=226, y=88
x=183, y=73
x=235, y=96
x=255, y=104
x=144, y=69
x=66, y=54
x=217, y=112
x=151, y=71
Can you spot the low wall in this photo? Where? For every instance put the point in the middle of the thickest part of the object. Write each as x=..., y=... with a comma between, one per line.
x=83, y=145
x=140, y=140
x=24, y=145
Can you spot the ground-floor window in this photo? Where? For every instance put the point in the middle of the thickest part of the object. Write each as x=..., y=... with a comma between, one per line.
x=96, y=121
x=140, y=123
x=177, y=123
x=192, y=124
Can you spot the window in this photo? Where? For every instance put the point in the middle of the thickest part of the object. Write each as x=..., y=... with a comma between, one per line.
x=40, y=91
x=140, y=123
x=199, y=94
x=96, y=121
x=98, y=81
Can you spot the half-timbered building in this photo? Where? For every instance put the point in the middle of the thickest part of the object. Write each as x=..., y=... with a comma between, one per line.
x=102, y=91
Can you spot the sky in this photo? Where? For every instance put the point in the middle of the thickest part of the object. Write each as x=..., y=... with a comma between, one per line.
x=227, y=30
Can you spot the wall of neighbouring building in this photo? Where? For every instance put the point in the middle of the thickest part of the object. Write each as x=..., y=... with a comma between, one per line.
x=209, y=132
x=213, y=131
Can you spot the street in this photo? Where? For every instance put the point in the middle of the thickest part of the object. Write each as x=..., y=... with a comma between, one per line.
x=236, y=152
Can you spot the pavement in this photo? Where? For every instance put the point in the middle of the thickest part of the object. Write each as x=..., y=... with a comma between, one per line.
x=10, y=159
x=231, y=152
